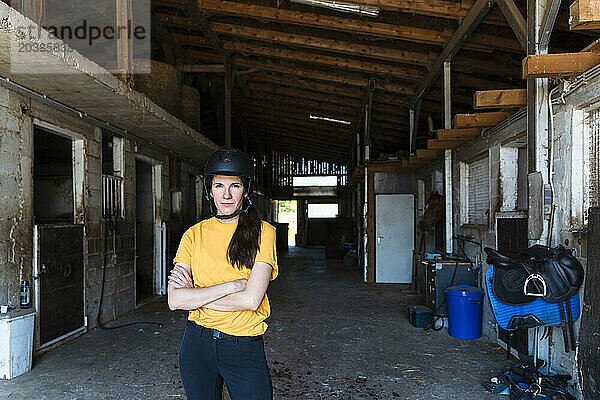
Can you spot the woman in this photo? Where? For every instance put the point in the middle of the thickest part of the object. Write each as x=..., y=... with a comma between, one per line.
x=222, y=269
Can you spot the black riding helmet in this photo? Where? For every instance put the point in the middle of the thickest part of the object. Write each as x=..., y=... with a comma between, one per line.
x=229, y=162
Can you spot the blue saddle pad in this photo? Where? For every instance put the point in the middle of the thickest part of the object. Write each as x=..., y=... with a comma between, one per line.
x=536, y=313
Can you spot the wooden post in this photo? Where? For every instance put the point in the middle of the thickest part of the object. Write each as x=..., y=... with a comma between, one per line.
x=124, y=47
x=227, y=63
x=447, y=84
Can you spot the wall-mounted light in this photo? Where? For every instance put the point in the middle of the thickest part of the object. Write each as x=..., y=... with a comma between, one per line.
x=342, y=6
x=338, y=121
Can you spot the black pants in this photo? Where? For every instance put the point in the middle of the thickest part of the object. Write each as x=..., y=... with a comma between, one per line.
x=205, y=361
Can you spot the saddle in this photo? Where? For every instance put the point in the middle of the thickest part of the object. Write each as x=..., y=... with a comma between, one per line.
x=540, y=271
x=541, y=282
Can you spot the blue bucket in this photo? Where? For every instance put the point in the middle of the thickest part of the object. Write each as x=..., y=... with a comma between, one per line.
x=465, y=305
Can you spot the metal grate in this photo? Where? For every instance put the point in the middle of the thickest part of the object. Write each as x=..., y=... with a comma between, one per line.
x=594, y=137
x=112, y=197
x=478, y=199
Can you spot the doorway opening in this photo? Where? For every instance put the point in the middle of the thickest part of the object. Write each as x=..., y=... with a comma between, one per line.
x=144, y=232
x=58, y=240
x=52, y=178
x=287, y=213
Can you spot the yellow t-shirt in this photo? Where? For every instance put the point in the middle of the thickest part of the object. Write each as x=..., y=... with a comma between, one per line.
x=204, y=247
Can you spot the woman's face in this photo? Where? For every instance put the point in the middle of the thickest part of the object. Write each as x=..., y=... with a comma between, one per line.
x=228, y=193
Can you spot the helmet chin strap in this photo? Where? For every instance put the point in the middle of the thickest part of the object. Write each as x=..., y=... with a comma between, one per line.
x=238, y=212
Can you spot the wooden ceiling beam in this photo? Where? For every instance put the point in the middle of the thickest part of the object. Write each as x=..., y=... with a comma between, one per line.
x=387, y=120
x=345, y=79
x=458, y=134
x=428, y=153
x=352, y=93
x=480, y=119
x=287, y=125
x=199, y=20
x=455, y=43
x=192, y=40
x=259, y=104
x=293, y=135
x=505, y=98
x=585, y=14
x=306, y=85
x=207, y=68
x=301, y=104
x=435, y=144
x=558, y=65
x=306, y=123
x=479, y=42
x=304, y=94
x=433, y=8
x=403, y=72
x=307, y=131
x=515, y=20
x=315, y=42
x=293, y=115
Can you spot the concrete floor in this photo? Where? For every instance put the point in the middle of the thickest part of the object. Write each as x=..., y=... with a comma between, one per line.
x=330, y=337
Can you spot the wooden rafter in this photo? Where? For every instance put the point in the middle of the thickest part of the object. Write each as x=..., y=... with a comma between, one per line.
x=214, y=68
x=480, y=42
x=299, y=134
x=428, y=153
x=377, y=68
x=303, y=94
x=299, y=115
x=306, y=85
x=558, y=65
x=174, y=53
x=315, y=42
x=302, y=122
x=458, y=134
x=480, y=119
x=259, y=104
x=345, y=79
x=505, y=98
x=453, y=46
x=434, y=8
x=192, y=40
x=435, y=144
x=277, y=99
x=515, y=20
x=585, y=14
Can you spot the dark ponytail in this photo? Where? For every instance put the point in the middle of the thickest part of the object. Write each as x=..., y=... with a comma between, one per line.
x=245, y=242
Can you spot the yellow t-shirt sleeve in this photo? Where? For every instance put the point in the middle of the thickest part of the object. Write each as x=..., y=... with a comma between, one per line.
x=268, y=251
x=184, y=252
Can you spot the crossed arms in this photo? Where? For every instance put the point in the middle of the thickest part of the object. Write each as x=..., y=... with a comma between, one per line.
x=236, y=295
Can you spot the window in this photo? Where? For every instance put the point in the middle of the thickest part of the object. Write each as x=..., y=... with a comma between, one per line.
x=315, y=180
x=475, y=192
x=113, y=203
x=323, y=210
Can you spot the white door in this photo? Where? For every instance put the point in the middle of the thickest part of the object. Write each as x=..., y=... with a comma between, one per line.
x=394, y=237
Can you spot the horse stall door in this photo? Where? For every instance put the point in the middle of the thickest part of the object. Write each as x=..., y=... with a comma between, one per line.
x=394, y=237
x=589, y=352
x=60, y=272
x=512, y=239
